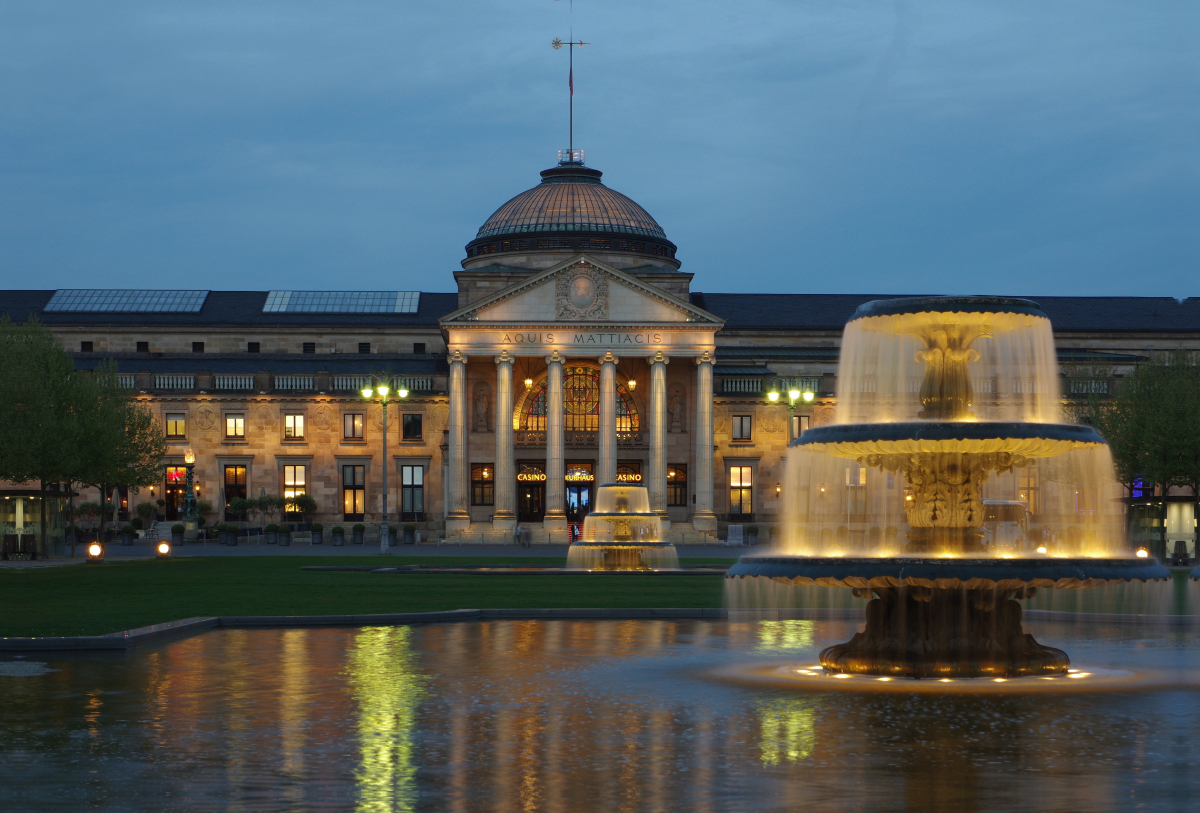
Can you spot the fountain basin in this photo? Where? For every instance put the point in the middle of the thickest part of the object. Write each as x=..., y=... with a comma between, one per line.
x=622, y=533
x=947, y=437
x=947, y=573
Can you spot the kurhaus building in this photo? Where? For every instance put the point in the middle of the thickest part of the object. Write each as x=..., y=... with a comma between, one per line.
x=575, y=352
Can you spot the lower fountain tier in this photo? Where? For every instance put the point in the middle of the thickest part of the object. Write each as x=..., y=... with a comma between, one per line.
x=943, y=573
x=621, y=555
x=1023, y=440
x=923, y=632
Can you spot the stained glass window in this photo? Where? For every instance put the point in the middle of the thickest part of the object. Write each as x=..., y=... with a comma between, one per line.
x=581, y=403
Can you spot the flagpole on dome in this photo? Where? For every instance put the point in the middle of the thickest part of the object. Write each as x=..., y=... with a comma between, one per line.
x=571, y=44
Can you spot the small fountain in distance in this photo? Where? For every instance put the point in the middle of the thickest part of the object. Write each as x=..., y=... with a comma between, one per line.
x=940, y=400
x=622, y=533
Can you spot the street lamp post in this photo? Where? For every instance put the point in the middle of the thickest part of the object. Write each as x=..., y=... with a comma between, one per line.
x=794, y=394
x=191, y=516
x=383, y=387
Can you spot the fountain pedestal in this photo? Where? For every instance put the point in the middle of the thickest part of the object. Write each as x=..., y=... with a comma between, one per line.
x=925, y=632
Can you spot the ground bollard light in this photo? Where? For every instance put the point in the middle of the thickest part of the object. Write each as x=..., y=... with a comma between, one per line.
x=163, y=551
x=95, y=552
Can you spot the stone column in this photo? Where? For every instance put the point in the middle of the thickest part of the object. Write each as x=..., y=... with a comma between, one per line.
x=657, y=485
x=703, y=518
x=556, y=497
x=504, y=517
x=457, y=516
x=606, y=466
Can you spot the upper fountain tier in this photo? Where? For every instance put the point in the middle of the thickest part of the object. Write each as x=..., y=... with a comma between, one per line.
x=962, y=359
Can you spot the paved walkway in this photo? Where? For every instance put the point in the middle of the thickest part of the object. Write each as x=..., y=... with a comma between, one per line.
x=143, y=551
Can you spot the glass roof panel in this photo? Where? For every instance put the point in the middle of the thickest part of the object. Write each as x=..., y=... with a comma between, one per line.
x=342, y=302
x=93, y=300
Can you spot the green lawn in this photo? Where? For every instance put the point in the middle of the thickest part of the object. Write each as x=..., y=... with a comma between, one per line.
x=96, y=599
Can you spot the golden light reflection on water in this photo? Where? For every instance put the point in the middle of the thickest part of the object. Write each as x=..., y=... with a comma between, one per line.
x=386, y=687
x=789, y=729
x=775, y=635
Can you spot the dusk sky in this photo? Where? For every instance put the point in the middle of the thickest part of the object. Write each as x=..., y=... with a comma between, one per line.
x=831, y=146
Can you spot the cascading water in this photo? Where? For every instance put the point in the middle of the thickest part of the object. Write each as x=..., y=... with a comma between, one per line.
x=622, y=533
x=948, y=486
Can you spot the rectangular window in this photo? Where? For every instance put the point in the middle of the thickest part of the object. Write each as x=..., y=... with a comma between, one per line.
x=741, y=427
x=412, y=493
x=677, y=485
x=354, y=493
x=352, y=426
x=741, y=491
x=364, y=347
x=310, y=347
x=143, y=347
x=176, y=425
x=800, y=424
x=295, y=482
x=235, y=486
x=253, y=347
x=85, y=347
x=418, y=347
x=235, y=425
x=197, y=347
x=293, y=427
x=483, y=486
x=1027, y=486
x=411, y=425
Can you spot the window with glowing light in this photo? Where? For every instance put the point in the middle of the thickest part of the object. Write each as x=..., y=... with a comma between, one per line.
x=235, y=425
x=677, y=484
x=176, y=425
x=354, y=493
x=483, y=484
x=293, y=427
x=741, y=491
x=352, y=426
x=1027, y=486
x=581, y=403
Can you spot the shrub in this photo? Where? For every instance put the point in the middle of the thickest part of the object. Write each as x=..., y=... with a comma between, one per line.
x=410, y=529
x=177, y=528
x=137, y=523
x=227, y=528
x=305, y=504
x=285, y=530
x=359, y=527
x=160, y=502
x=338, y=529
x=128, y=529
x=145, y=510
x=271, y=529
x=316, y=526
x=203, y=507
x=201, y=522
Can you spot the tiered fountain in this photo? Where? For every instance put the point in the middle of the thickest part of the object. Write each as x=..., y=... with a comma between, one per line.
x=948, y=488
x=622, y=533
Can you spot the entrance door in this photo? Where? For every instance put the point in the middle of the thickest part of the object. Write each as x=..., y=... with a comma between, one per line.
x=530, y=498
x=173, y=492
x=235, y=486
x=579, y=504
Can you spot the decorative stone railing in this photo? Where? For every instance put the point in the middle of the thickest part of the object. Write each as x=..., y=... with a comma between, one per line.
x=174, y=382
x=233, y=382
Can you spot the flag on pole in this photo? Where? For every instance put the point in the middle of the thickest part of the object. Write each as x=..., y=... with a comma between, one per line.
x=571, y=81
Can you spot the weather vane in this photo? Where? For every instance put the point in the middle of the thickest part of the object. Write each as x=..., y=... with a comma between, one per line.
x=571, y=44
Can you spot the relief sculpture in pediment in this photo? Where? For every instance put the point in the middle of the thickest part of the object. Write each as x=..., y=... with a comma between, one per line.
x=581, y=292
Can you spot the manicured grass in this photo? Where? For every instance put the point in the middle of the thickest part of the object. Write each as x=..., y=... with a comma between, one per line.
x=97, y=599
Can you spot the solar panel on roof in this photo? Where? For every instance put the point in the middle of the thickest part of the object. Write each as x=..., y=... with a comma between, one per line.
x=342, y=302
x=97, y=300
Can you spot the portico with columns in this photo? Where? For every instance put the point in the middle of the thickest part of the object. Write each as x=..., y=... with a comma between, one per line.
x=571, y=377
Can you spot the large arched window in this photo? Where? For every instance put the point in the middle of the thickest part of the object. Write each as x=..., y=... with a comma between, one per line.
x=581, y=403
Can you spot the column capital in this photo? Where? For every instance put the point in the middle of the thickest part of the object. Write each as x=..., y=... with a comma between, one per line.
x=608, y=358
x=456, y=356
x=554, y=357
x=659, y=358
x=504, y=358
x=707, y=358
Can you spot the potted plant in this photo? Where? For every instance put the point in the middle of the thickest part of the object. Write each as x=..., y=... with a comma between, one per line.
x=410, y=534
x=177, y=534
x=752, y=535
x=137, y=524
x=359, y=529
x=145, y=511
x=127, y=534
x=227, y=533
x=339, y=536
x=318, y=532
x=285, y=535
x=271, y=534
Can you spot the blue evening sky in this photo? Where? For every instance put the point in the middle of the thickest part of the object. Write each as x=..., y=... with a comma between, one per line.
x=828, y=146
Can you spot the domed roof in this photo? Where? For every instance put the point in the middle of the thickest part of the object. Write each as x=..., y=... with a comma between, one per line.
x=571, y=198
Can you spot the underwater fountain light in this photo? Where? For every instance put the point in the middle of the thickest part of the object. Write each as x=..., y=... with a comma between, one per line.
x=1142, y=553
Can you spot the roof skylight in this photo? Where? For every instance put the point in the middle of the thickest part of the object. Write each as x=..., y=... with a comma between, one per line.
x=95, y=300
x=342, y=302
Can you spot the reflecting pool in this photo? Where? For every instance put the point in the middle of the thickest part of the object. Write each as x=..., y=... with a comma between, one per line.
x=584, y=716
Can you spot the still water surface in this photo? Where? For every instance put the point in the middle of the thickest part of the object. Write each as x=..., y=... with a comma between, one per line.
x=577, y=716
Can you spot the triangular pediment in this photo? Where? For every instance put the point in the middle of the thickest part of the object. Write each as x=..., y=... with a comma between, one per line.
x=581, y=290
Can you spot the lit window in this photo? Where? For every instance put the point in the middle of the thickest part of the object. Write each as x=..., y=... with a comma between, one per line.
x=352, y=426
x=800, y=425
x=295, y=481
x=235, y=425
x=677, y=486
x=741, y=427
x=293, y=427
x=483, y=486
x=354, y=493
x=176, y=425
x=741, y=490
